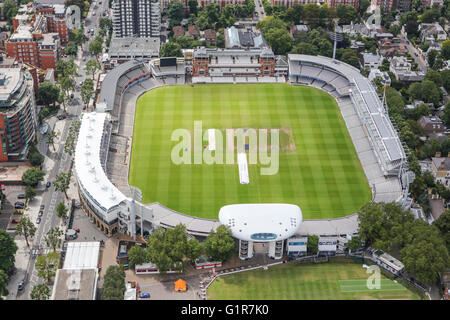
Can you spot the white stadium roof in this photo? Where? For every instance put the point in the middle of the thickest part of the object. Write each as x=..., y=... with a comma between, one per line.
x=88, y=166
x=82, y=255
x=262, y=222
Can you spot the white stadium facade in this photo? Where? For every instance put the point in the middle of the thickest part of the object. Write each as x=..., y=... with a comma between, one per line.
x=104, y=148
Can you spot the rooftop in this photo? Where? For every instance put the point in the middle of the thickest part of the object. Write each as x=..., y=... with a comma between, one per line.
x=257, y=222
x=75, y=284
x=90, y=173
x=82, y=255
x=130, y=46
x=10, y=81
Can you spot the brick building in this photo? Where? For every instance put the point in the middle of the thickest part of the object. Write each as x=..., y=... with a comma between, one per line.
x=222, y=3
x=233, y=62
x=32, y=43
x=336, y=3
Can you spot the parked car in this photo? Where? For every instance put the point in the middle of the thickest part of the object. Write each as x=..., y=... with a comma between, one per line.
x=61, y=116
x=14, y=221
x=38, y=220
x=19, y=204
x=21, y=196
x=41, y=213
x=3, y=187
x=77, y=229
x=144, y=295
x=48, y=184
x=21, y=285
x=42, y=207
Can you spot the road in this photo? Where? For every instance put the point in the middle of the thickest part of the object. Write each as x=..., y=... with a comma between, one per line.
x=259, y=8
x=423, y=65
x=62, y=162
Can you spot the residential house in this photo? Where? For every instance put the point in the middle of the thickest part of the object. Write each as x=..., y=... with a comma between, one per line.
x=401, y=69
x=178, y=31
x=295, y=30
x=386, y=80
x=432, y=31
x=389, y=48
x=440, y=168
x=210, y=37
x=194, y=31
x=431, y=124
x=371, y=61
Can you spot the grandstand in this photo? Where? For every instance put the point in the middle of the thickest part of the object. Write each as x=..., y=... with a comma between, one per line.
x=373, y=135
x=349, y=86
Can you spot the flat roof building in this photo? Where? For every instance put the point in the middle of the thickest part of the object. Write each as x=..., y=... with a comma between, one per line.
x=75, y=284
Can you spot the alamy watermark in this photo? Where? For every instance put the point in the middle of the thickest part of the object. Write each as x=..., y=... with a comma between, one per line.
x=209, y=147
x=374, y=281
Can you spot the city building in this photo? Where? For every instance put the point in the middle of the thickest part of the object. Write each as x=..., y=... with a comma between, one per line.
x=18, y=120
x=432, y=32
x=297, y=29
x=32, y=44
x=245, y=38
x=290, y=3
x=75, y=284
x=401, y=69
x=336, y=3
x=327, y=245
x=440, y=168
x=139, y=18
x=210, y=36
x=129, y=48
x=56, y=21
x=386, y=80
x=221, y=3
x=388, y=262
x=389, y=48
x=178, y=31
x=431, y=124
x=296, y=246
x=233, y=62
x=371, y=61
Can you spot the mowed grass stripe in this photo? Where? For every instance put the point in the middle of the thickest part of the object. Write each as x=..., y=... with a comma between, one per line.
x=323, y=176
x=299, y=281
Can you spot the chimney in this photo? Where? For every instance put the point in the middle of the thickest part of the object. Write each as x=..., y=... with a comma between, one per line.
x=438, y=154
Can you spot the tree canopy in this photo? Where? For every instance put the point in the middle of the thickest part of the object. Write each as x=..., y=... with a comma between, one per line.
x=8, y=249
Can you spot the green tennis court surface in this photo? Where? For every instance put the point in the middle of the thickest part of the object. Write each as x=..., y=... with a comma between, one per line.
x=362, y=285
x=319, y=169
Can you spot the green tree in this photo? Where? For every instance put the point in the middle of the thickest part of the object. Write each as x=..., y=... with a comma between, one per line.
x=50, y=139
x=48, y=93
x=443, y=225
x=171, y=49
x=96, y=47
x=137, y=255
x=167, y=248
x=193, y=7
x=434, y=76
x=355, y=243
x=305, y=48
x=431, y=57
x=32, y=176
x=30, y=193
x=8, y=249
x=425, y=255
x=346, y=14
x=62, y=182
x=310, y=14
x=61, y=210
x=279, y=40
x=3, y=284
x=220, y=245
x=92, y=66
x=25, y=228
x=9, y=10
x=194, y=249
x=47, y=264
x=175, y=11
x=87, y=90
x=445, y=49
x=114, y=283
x=53, y=238
x=40, y=292
x=313, y=244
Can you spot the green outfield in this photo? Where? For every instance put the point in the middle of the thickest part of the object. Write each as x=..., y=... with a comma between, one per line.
x=327, y=281
x=318, y=167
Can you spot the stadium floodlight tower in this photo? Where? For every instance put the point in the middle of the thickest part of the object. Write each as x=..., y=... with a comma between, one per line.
x=336, y=36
